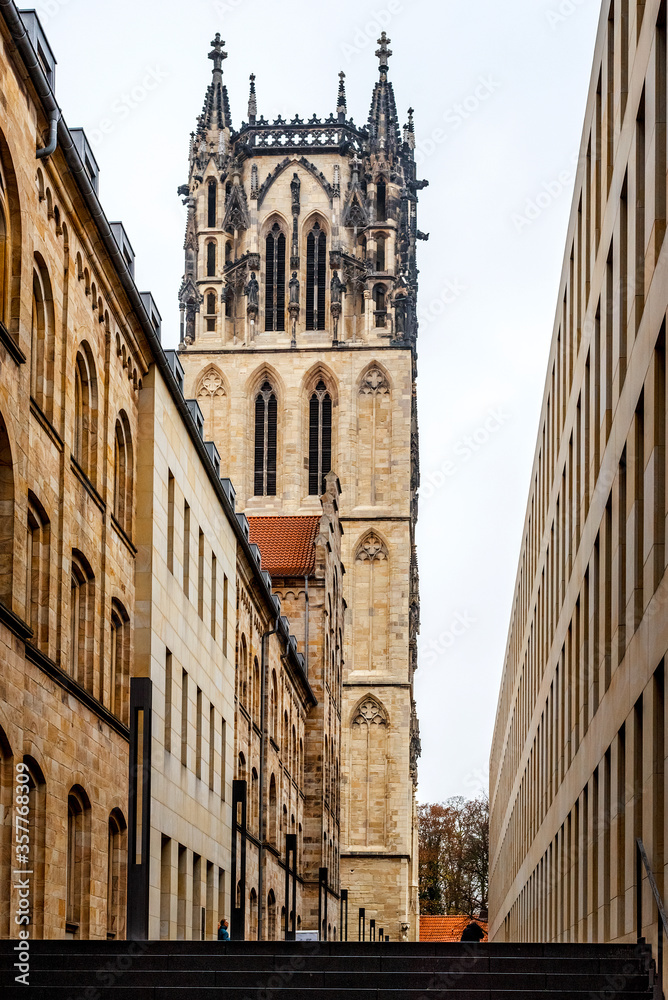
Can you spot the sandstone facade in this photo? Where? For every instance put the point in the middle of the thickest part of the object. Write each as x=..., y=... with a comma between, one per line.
x=578, y=759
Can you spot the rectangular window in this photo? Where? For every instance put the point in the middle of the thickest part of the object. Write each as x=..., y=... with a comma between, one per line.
x=182, y=894
x=200, y=575
x=225, y=615
x=186, y=549
x=621, y=830
x=660, y=458
x=197, y=898
x=212, y=746
x=165, y=886
x=623, y=309
x=638, y=513
x=170, y=523
x=223, y=758
x=168, y=702
x=214, y=594
x=184, y=718
x=640, y=214
x=621, y=560
x=198, y=735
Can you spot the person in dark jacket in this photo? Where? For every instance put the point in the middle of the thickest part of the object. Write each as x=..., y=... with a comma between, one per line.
x=223, y=933
x=473, y=932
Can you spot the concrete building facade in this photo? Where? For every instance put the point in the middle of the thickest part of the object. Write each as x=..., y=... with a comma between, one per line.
x=298, y=322
x=578, y=757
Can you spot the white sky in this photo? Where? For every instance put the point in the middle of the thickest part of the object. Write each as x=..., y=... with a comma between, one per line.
x=499, y=91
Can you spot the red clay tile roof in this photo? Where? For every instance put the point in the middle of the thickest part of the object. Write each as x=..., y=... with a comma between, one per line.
x=286, y=543
x=446, y=928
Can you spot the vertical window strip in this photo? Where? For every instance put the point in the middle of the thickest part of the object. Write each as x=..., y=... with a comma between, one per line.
x=266, y=440
x=320, y=439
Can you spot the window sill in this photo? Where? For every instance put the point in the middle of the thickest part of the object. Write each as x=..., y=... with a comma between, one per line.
x=46, y=424
x=12, y=347
x=15, y=624
x=125, y=538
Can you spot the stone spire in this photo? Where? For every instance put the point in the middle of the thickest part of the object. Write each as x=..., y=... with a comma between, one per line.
x=409, y=130
x=216, y=110
x=383, y=120
x=252, y=101
x=341, y=104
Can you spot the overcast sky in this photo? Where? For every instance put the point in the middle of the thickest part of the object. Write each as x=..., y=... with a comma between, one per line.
x=499, y=91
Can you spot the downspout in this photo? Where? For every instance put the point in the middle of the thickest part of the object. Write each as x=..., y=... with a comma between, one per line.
x=263, y=688
x=41, y=84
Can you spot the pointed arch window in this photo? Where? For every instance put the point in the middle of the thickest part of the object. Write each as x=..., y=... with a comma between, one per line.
x=123, y=473
x=211, y=259
x=119, y=679
x=42, y=339
x=211, y=205
x=380, y=302
x=85, y=412
x=274, y=318
x=381, y=201
x=320, y=439
x=82, y=611
x=4, y=254
x=266, y=419
x=78, y=862
x=316, y=278
x=116, y=875
x=6, y=518
x=38, y=572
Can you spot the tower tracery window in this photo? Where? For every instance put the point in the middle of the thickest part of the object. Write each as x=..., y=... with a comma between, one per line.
x=211, y=259
x=211, y=205
x=380, y=302
x=381, y=201
x=316, y=278
x=380, y=253
x=275, y=280
x=266, y=420
x=320, y=439
x=210, y=316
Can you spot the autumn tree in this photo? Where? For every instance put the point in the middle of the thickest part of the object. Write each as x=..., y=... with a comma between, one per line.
x=454, y=856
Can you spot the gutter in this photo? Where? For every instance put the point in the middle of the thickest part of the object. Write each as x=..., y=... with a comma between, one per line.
x=59, y=133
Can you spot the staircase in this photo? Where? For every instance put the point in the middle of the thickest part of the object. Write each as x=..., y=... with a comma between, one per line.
x=193, y=970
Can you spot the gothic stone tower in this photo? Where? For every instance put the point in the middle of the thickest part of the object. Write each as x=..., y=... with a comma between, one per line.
x=298, y=338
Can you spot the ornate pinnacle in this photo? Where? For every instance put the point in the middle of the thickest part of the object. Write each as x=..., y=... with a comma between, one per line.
x=384, y=52
x=341, y=106
x=217, y=54
x=252, y=100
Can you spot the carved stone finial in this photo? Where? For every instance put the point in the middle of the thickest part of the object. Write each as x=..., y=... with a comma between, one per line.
x=341, y=104
x=252, y=100
x=217, y=53
x=384, y=52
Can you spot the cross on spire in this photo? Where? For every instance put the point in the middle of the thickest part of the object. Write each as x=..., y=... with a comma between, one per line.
x=217, y=54
x=384, y=52
x=341, y=106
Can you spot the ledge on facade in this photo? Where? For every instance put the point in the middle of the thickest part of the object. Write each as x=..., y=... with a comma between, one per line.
x=12, y=347
x=125, y=538
x=51, y=668
x=87, y=484
x=46, y=424
x=15, y=624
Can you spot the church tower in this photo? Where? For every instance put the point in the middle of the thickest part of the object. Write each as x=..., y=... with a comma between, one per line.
x=298, y=339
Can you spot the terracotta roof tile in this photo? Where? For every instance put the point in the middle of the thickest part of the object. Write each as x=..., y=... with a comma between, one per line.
x=446, y=928
x=286, y=543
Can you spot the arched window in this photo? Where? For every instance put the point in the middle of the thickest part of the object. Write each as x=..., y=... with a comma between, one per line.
x=211, y=259
x=316, y=278
x=85, y=412
x=274, y=299
x=82, y=617
x=37, y=833
x=6, y=518
x=273, y=812
x=241, y=765
x=320, y=439
x=380, y=305
x=256, y=690
x=271, y=916
x=123, y=473
x=119, y=666
x=4, y=254
x=78, y=864
x=229, y=303
x=380, y=253
x=273, y=708
x=211, y=204
x=8, y=782
x=293, y=767
x=254, y=804
x=38, y=571
x=210, y=312
x=266, y=418
x=243, y=672
x=228, y=252
x=116, y=876
x=381, y=201
x=42, y=339
x=253, y=915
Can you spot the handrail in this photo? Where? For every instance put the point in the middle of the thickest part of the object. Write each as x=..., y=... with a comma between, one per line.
x=662, y=921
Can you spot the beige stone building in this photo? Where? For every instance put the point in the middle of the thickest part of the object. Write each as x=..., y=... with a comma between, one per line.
x=299, y=325
x=578, y=759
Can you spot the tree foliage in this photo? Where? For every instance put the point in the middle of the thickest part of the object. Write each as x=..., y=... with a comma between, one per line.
x=454, y=856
